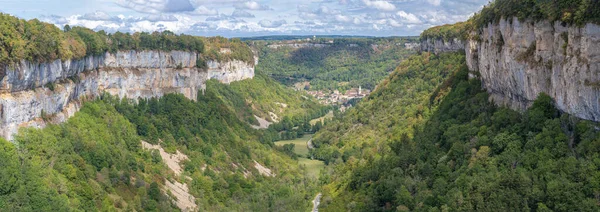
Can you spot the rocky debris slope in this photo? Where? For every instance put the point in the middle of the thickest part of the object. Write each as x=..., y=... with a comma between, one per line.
x=32, y=94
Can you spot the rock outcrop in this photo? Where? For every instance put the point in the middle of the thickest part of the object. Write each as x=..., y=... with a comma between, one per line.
x=516, y=61
x=33, y=94
x=439, y=45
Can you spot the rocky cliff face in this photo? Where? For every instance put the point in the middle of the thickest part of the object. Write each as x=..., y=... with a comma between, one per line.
x=518, y=60
x=33, y=94
x=439, y=45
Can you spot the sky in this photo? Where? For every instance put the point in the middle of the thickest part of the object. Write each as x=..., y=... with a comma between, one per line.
x=246, y=18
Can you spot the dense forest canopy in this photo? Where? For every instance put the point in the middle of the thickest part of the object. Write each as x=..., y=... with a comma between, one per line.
x=346, y=63
x=37, y=41
x=466, y=155
x=95, y=161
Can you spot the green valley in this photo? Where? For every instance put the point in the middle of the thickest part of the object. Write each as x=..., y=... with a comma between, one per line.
x=498, y=112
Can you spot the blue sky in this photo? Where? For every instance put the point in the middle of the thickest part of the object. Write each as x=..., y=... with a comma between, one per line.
x=239, y=18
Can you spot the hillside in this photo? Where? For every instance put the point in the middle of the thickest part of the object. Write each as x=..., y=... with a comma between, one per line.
x=332, y=63
x=521, y=51
x=466, y=155
x=507, y=130
x=96, y=161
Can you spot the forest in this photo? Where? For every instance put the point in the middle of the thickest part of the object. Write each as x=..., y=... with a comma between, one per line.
x=37, y=41
x=465, y=154
x=95, y=161
x=344, y=64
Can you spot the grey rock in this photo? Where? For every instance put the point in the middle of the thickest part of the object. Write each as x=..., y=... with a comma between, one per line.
x=24, y=98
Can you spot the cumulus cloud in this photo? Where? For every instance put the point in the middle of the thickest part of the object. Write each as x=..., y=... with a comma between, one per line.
x=271, y=24
x=435, y=2
x=157, y=6
x=98, y=16
x=161, y=17
x=380, y=5
x=259, y=17
x=55, y=19
x=242, y=14
x=408, y=17
x=252, y=5
x=204, y=11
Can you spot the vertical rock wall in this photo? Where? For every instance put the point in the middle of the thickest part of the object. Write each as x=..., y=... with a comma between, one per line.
x=32, y=94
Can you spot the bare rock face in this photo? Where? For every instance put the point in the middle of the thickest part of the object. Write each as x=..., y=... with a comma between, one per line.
x=26, y=98
x=518, y=60
x=439, y=45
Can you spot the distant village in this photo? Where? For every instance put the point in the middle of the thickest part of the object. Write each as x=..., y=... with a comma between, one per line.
x=338, y=98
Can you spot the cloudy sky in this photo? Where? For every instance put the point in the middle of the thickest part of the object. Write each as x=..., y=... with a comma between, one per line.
x=240, y=18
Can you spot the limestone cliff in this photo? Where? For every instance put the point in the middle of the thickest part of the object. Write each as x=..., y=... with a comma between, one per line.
x=32, y=94
x=440, y=45
x=518, y=60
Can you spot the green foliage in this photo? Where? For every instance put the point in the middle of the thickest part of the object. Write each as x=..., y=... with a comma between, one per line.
x=262, y=96
x=469, y=155
x=347, y=63
x=401, y=101
x=223, y=49
x=37, y=41
x=84, y=164
x=446, y=32
x=577, y=12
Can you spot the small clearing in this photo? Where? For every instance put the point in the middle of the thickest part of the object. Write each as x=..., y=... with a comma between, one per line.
x=300, y=144
x=301, y=148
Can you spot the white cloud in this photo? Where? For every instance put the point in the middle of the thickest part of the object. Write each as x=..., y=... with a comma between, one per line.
x=408, y=17
x=242, y=14
x=202, y=10
x=343, y=18
x=98, y=16
x=435, y=2
x=157, y=6
x=380, y=5
x=271, y=24
x=256, y=17
x=252, y=5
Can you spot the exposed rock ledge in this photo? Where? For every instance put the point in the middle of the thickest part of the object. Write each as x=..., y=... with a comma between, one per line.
x=518, y=60
x=24, y=95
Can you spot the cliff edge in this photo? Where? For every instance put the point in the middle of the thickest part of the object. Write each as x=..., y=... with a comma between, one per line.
x=34, y=94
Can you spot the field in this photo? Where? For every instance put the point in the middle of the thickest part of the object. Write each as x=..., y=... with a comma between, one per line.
x=313, y=167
